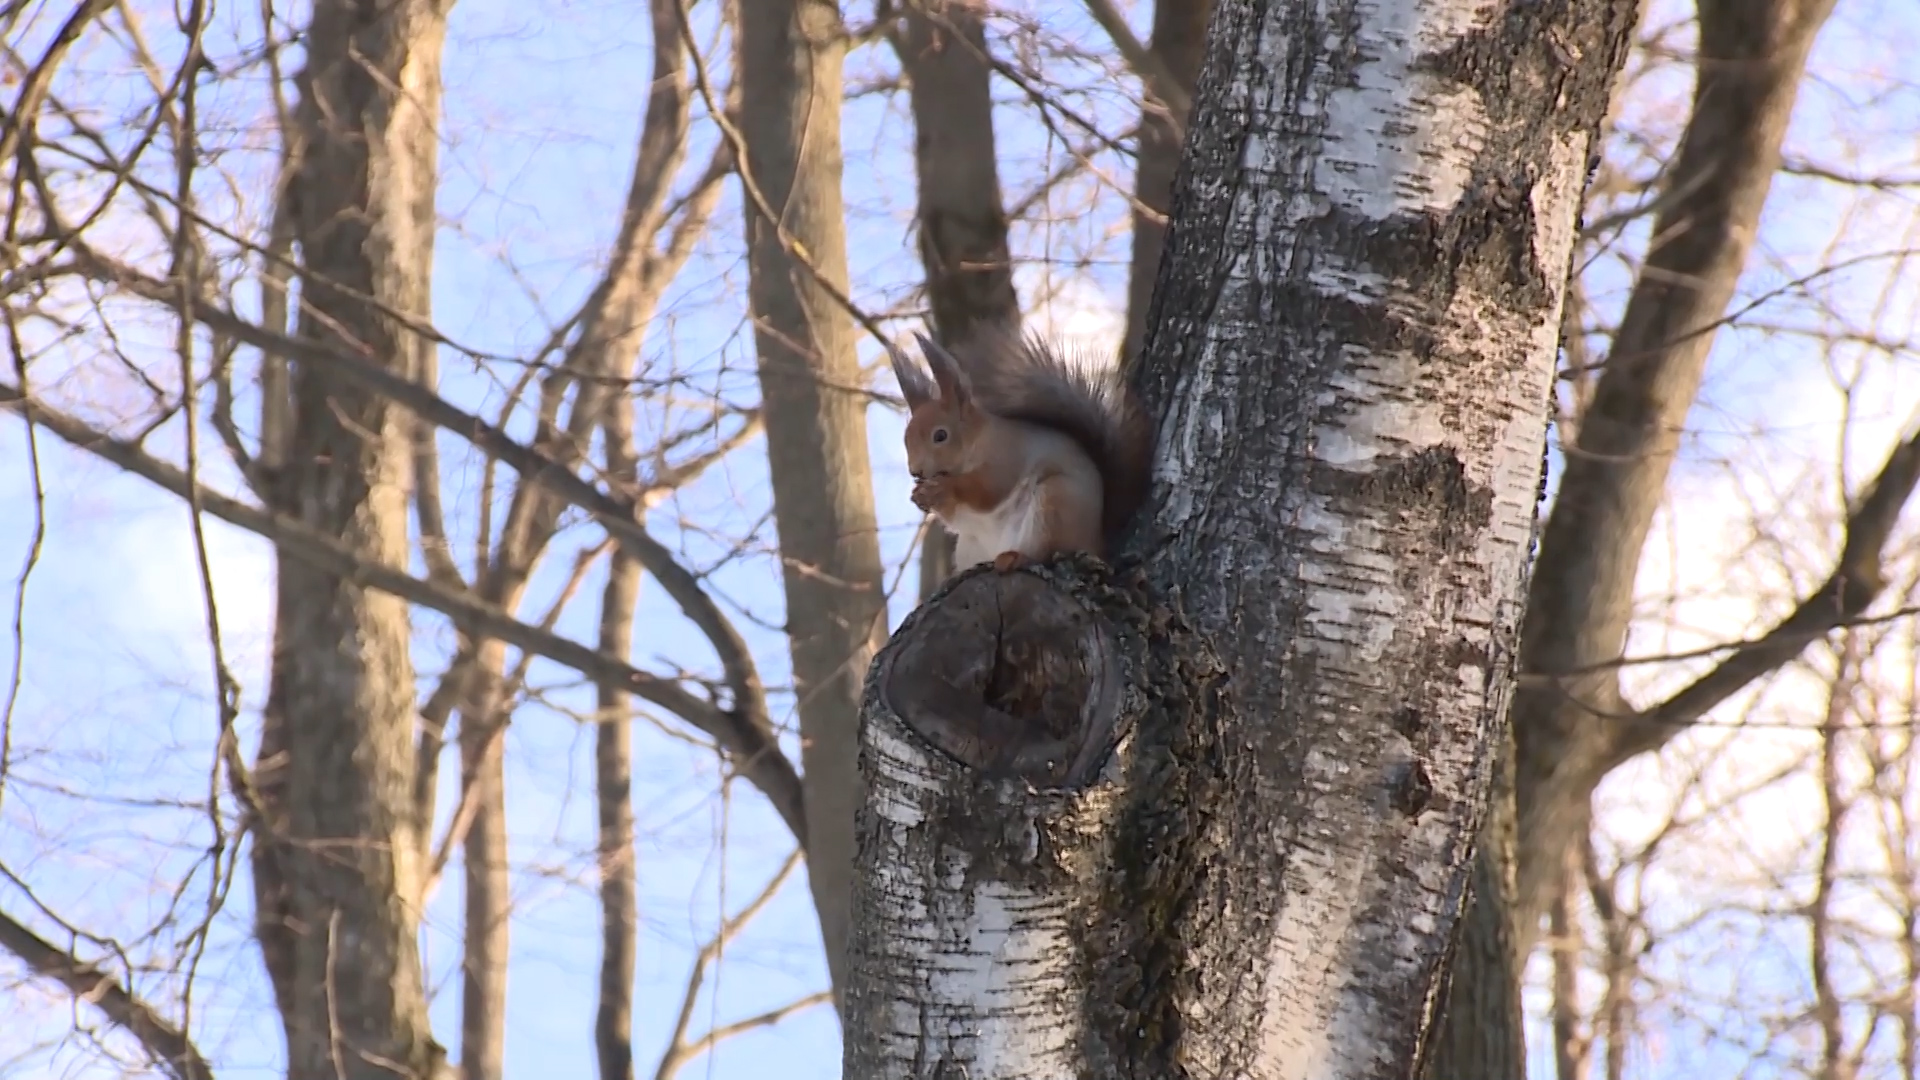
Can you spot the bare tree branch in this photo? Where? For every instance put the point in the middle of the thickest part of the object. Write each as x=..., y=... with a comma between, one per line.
x=1148, y=65
x=19, y=122
x=1803, y=167
x=1580, y=601
x=465, y=810
x=753, y=749
x=619, y=516
x=685, y=1054
x=613, y=325
x=169, y=1046
x=1857, y=579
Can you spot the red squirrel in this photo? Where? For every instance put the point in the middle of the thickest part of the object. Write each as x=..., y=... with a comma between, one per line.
x=1023, y=453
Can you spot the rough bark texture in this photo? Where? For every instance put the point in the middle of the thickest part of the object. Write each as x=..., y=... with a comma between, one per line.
x=790, y=58
x=1359, y=310
x=336, y=855
x=1178, y=43
x=1350, y=350
x=962, y=218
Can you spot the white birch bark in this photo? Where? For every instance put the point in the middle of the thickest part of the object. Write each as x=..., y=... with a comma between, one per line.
x=982, y=844
x=1350, y=353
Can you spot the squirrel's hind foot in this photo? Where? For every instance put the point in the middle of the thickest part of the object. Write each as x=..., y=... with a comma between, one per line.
x=1008, y=561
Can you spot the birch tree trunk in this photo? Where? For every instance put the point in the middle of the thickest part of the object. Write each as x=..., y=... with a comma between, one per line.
x=1215, y=817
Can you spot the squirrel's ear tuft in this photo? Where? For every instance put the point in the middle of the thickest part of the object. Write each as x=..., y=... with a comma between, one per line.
x=947, y=372
x=914, y=384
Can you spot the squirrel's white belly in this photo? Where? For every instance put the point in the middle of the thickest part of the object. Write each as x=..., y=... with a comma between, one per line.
x=1014, y=525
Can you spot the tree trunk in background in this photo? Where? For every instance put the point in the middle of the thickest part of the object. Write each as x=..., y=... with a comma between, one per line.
x=1570, y=732
x=613, y=761
x=962, y=218
x=1179, y=42
x=1353, y=394
x=489, y=887
x=1752, y=57
x=1481, y=1030
x=336, y=855
x=613, y=795
x=790, y=82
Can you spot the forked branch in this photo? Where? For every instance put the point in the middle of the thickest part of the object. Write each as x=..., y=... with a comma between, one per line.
x=1857, y=580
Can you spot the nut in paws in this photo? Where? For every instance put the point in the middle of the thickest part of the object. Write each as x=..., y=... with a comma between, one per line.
x=932, y=494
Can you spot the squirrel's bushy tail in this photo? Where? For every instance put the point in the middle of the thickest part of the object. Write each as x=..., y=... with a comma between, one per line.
x=1032, y=379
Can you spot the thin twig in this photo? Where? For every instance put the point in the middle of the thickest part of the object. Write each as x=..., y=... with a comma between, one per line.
x=679, y=1050
x=1146, y=64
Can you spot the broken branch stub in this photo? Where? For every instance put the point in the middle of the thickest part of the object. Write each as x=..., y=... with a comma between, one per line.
x=1023, y=737
x=1009, y=676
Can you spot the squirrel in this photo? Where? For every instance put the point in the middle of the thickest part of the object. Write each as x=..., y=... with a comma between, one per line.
x=1022, y=452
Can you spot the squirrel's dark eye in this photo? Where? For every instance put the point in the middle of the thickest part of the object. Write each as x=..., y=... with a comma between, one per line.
x=939, y=435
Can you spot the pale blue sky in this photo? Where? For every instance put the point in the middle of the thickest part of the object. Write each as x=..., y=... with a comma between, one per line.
x=543, y=103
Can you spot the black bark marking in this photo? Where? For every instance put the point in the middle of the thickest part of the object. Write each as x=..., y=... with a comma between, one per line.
x=1488, y=240
x=1433, y=479
x=1467, y=654
x=1304, y=308
x=1412, y=789
x=1143, y=928
x=1483, y=243
x=1426, y=488
x=1537, y=53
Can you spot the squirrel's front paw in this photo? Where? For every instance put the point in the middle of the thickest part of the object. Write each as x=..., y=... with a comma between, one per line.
x=932, y=494
x=1008, y=561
